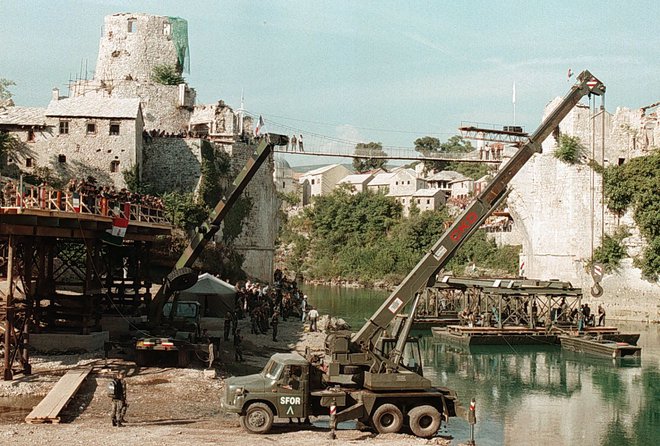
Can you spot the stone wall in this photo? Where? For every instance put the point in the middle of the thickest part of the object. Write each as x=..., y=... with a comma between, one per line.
x=559, y=214
x=257, y=240
x=172, y=163
x=133, y=55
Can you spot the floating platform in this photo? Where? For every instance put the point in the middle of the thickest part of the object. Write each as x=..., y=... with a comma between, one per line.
x=518, y=335
x=427, y=322
x=600, y=347
x=48, y=410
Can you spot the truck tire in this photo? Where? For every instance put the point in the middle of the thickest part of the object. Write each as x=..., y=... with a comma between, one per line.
x=258, y=418
x=424, y=421
x=387, y=419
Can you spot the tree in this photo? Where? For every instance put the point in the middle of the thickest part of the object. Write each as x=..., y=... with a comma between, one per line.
x=167, y=75
x=5, y=94
x=430, y=147
x=365, y=163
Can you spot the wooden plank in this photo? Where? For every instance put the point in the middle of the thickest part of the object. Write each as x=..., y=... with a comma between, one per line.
x=49, y=408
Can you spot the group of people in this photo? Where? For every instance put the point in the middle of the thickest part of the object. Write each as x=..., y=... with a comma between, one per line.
x=85, y=193
x=149, y=135
x=264, y=306
x=295, y=144
x=493, y=151
x=97, y=197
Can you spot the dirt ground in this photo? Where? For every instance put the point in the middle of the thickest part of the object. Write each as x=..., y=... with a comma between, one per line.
x=169, y=406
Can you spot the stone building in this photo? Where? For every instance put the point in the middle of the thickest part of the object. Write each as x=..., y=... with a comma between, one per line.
x=78, y=137
x=122, y=118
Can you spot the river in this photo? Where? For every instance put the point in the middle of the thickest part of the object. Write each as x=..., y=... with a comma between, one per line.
x=533, y=395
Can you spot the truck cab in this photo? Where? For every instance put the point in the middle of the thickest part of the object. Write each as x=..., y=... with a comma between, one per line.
x=281, y=389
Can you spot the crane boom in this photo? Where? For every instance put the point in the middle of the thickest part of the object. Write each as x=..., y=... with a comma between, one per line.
x=470, y=220
x=182, y=277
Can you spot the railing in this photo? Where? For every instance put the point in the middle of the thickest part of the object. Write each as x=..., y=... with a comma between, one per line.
x=46, y=198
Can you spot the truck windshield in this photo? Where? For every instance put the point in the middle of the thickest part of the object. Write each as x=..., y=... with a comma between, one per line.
x=273, y=369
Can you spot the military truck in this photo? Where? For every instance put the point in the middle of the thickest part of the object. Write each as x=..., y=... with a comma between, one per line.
x=375, y=375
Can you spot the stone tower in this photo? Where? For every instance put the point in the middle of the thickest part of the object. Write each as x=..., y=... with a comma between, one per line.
x=133, y=44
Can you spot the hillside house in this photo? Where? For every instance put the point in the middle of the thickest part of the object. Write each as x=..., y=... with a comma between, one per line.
x=357, y=181
x=321, y=181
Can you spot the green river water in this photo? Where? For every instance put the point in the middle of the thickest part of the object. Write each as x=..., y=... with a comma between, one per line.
x=533, y=395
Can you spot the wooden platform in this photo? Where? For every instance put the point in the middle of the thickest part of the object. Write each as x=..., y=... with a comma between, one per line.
x=600, y=347
x=514, y=335
x=48, y=410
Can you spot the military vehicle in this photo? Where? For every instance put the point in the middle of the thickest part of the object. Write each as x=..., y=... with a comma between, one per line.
x=375, y=375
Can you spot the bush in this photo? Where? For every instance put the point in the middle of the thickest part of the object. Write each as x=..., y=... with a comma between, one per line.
x=167, y=75
x=611, y=250
x=570, y=149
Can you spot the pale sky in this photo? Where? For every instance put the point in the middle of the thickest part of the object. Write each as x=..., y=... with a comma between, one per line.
x=385, y=71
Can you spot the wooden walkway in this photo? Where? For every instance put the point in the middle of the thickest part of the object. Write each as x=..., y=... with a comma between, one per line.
x=48, y=410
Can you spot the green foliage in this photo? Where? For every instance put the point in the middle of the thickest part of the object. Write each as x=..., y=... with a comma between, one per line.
x=133, y=183
x=234, y=221
x=430, y=146
x=363, y=237
x=636, y=184
x=216, y=165
x=289, y=198
x=482, y=251
x=611, y=250
x=184, y=211
x=569, y=150
x=5, y=94
x=370, y=149
x=6, y=141
x=167, y=75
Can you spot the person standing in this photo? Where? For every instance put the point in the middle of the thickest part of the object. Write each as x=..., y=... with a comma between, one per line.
x=313, y=318
x=303, y=307
x=119, y=404
x=300, y=143
x=227, y=325
x=601, y=315
x=238, y=346
x=274, y=322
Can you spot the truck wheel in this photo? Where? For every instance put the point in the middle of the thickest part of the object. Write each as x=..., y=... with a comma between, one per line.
x=258, y=419
x=387, y=419
x=424, y=421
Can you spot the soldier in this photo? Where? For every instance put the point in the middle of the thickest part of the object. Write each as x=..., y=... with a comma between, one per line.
x=238, y=346
x=119, y=404
x=227, y=325
x=274, y=321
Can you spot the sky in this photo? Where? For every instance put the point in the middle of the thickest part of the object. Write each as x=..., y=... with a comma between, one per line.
x=361, y=71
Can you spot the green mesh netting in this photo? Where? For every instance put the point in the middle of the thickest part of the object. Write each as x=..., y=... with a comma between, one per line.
x=180, y=39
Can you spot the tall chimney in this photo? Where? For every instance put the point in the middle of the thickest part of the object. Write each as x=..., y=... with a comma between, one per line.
x=56, y=94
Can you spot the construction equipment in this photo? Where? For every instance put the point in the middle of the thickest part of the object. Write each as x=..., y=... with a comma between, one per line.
x=183, y=276
x=375, y=375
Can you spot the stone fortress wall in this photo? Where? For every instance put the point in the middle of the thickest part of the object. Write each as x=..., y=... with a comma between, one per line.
x=130, y=47
x=552, y=204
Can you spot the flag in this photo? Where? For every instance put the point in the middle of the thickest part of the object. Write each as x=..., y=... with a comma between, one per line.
x=514, y=92
x=76, y=202
x=115, y=236
x=570, y=74
x=260, y=125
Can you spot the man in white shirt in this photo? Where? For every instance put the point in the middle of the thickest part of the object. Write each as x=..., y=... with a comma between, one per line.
x=313, y=318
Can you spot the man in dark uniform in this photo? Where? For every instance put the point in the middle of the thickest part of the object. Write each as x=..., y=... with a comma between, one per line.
x=227, y=325
x=119, y=404
x=238, y=346
x=274, y=321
